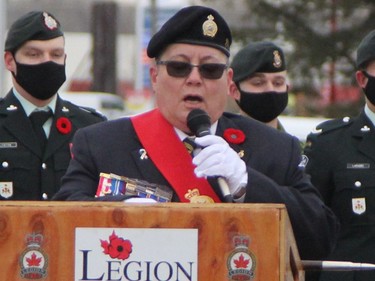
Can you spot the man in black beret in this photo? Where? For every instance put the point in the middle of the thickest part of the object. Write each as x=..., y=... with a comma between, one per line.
x=235, y=159
x=260, y=77
x=36, y=125
x=341, y=164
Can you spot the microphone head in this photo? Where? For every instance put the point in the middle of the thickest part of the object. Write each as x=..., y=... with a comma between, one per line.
x=199, y=122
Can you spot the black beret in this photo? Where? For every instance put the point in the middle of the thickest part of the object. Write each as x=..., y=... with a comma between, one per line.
x=366, y=49
x=192, y=25
x=257, y=57
x=35, y=25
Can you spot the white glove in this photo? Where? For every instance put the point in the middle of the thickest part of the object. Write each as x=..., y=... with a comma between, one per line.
x=217, y=158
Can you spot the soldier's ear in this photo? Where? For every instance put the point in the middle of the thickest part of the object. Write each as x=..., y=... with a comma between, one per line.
x=233, y=91
x=9, y=62
x=361, y=78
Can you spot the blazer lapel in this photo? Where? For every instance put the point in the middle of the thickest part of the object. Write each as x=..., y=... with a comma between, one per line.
x=18, y=124
x=57, y=139
x=364, y=132
x=226, y=123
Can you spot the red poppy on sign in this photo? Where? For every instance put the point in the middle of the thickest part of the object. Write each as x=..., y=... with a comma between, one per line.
x=117, y=247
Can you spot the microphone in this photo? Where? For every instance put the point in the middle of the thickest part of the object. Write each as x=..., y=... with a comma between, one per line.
x=199, y=123
x=313, y=265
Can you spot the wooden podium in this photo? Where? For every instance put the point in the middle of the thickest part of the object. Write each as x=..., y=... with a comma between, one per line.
x=271, y=244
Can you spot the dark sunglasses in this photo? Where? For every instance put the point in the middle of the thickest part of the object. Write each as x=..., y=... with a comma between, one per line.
x=183, y=69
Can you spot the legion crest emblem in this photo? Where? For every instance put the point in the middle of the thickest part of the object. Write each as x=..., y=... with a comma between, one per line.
x=194, y=196
x=33, y=260
x=241, y=262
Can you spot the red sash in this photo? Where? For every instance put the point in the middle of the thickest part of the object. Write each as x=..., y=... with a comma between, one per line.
x=170, y=155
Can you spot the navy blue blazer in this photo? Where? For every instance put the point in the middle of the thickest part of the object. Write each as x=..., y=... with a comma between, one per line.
x=272, y=159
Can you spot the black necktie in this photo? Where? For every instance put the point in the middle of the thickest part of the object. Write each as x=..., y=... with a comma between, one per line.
x=190, y=145
x=38, y=118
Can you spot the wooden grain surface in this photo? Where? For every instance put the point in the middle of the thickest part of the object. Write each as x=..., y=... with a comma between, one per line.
x=265, y=224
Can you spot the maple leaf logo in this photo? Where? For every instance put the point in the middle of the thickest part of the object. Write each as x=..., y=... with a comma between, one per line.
x=241, y=262
x=33, y=261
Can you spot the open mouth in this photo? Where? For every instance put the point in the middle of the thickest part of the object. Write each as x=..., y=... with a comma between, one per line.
x=193, y=99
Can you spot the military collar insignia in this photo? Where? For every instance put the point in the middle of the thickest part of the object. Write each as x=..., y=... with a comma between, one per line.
x=49, y=21
x=277, y=62
x=65, y=109
x=209, y=27
x=316, y=131
x=12, y=107
x=365, y=129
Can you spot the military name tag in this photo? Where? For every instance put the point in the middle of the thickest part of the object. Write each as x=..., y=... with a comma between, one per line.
x=358, y=165
x=8, y=145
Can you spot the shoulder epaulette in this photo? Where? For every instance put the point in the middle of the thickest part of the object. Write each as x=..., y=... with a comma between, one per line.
x=331, y=125
x=92, y=111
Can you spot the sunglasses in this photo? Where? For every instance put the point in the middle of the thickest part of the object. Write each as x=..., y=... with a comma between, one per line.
x=183, y=69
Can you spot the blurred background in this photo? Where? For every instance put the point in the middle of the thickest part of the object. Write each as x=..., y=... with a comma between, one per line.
x=106, y=42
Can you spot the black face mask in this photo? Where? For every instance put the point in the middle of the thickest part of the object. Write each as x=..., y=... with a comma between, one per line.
x=369, y=90
x=40, y=80
x=264, y=106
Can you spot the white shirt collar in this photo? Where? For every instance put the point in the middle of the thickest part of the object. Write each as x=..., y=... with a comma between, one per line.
x=370, y=114
x=29, y=107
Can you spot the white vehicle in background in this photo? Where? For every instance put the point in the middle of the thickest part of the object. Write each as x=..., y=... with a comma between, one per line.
x=300, y=126
x=110, y=105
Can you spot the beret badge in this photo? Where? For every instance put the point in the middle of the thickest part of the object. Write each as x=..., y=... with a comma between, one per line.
x=277, y=62
x=49, y=21
x=209, y=27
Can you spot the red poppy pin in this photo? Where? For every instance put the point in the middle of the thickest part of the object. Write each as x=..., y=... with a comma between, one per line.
x=234, y=136
x=64, y=126
x=117, y=248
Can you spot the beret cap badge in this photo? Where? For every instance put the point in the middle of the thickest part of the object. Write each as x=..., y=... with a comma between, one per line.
x=49, y=21
x=277, y=62
x=209, y=27
x=34, y=25
x=196, y=25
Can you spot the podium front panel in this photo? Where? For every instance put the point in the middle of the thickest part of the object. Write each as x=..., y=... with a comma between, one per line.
x=253, y=241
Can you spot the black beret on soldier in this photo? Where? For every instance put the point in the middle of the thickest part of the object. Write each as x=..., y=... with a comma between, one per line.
x=366, y=50
x=196, y=25
x=257, y=57
x=35, y=25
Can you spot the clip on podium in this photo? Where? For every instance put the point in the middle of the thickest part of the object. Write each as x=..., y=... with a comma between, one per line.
x=63, y=241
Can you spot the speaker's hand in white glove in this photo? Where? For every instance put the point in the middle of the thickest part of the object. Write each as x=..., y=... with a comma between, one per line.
x=217, y=158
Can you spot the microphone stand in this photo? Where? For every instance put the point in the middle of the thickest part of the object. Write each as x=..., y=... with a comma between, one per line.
x=315, y=265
